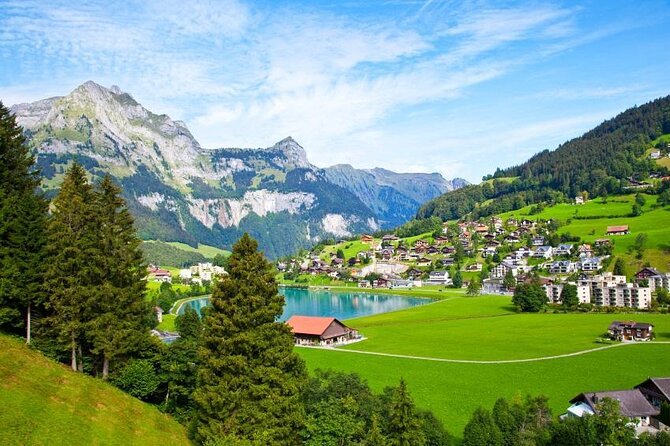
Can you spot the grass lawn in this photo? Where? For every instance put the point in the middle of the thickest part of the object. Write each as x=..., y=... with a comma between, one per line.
x=45, y=403
x=454, y=391
x=487, y=328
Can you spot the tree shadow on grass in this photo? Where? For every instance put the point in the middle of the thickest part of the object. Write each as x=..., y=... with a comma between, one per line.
x=663, y=336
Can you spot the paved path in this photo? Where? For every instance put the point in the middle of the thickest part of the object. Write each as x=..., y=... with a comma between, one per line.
x=502, y=361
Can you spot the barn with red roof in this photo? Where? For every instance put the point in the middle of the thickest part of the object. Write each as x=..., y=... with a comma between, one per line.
x=323, y=331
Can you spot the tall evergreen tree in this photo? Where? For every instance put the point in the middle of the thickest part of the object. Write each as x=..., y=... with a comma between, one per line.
x=404, y=425
x=120, y=317
x=71, y=270
x=22, y=228
x=249, y=379
x=482, y=430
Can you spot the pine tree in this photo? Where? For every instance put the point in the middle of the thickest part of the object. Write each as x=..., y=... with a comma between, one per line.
x=374, y=436
x=119, y=316
x=249, y=379
x=22, y=228
x=404, y=425
x=71, y=270
x=482, y=430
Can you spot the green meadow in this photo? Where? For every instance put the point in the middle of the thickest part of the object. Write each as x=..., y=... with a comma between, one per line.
x=487, y=328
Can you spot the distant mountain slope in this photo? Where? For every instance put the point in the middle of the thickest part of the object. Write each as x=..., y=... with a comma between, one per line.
x=179, y=191
x=394, y=197
x=44, y=402
x=602, y=161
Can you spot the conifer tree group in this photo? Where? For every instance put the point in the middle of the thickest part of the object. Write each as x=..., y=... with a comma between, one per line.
x=80, y=267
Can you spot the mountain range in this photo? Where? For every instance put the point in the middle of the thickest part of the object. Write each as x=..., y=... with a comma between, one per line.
x=179, y=191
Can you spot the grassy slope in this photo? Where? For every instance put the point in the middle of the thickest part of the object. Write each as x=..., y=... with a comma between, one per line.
x=208, y=251
x=43, y=402
x=486, y=328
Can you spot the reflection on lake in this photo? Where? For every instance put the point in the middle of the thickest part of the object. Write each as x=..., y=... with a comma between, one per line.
x=338, y=304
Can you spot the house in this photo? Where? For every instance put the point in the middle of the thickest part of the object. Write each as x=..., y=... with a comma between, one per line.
x=656, y=390
x=474, y=267
x=446, y=262
x=511, y=239
x=611, y=290
x=322, y=331
x=439, y=278
x=617, y=230
x=389, y=238
x=185, y=275
x=543, y=252
x=646, y=273
x=157, y=274
x=630, y=331
x=499, y=271
x=590, y=264
x=367, y=238
x=563, y=250
x=523, y=253
x=632, y=404
x=363, y=284
x=585, y=250
x=579, y=199
x=423, y=261
x=538, y=240
x=562, y=267
x=414, y=274
x=655, y=154
x=380, y=283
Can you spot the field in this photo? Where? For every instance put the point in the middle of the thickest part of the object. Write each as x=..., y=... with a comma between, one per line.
x=488, y=329
x=654, y=222
x=45, y=403
x=208, y=251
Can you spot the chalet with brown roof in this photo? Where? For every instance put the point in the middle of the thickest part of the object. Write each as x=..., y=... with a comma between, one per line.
x=656, y=390
x=367, y=238
x=632, y=404
x=645, y=273
x=320, y=331
x=617, y=230
x=631, y=331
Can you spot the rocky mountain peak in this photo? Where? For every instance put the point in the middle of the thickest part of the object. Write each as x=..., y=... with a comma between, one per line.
x=295, y=154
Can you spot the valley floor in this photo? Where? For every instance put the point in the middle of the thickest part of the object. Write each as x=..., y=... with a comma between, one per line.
x=465, y=352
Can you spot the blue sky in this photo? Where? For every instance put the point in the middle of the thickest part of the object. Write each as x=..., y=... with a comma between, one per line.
x=454, y=87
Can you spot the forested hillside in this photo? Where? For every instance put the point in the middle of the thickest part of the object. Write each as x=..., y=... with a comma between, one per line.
x=603, y=161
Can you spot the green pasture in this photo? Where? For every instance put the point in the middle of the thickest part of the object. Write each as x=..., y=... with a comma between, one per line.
x=487, y=328
x=453, y=391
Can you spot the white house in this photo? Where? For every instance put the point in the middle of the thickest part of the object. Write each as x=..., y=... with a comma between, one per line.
x=562, y=267
x=591, y=264
x=543, y=252
x=563, y=250
x=439, y=278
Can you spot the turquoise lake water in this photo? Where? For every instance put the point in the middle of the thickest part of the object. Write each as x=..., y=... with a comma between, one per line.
x=338, y=304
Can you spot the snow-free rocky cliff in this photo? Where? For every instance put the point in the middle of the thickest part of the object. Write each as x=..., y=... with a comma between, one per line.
x=179, y=191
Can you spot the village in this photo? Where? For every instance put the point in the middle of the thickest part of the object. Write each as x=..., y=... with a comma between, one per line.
x=495, y=254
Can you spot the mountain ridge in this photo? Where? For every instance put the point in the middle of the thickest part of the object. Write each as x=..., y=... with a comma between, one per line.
x=180, y=191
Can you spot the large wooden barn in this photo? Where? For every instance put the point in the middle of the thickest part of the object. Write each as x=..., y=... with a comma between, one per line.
x=322, y=331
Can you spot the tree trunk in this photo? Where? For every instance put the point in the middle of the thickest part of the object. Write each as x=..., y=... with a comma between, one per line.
x=80, y=366
x=74, y=353
x=105, y=368
x=28, y=326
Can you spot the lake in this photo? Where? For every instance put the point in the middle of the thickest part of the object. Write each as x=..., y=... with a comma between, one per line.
x=338, y=304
